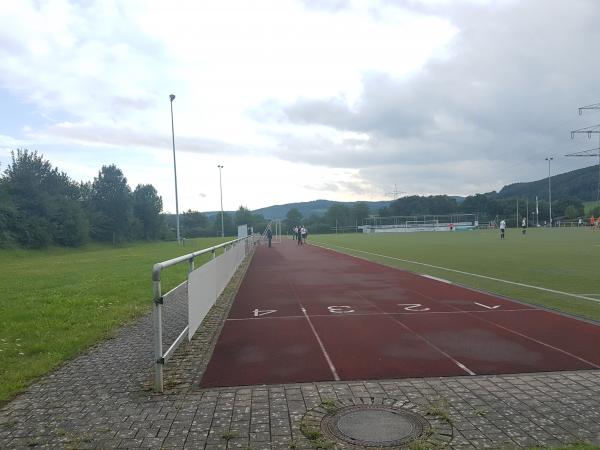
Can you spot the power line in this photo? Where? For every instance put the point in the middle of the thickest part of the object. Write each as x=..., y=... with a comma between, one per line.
x=396, y=194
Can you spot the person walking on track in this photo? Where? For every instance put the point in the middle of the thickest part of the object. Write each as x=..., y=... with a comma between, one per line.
x=299, y=235
x=269, y=235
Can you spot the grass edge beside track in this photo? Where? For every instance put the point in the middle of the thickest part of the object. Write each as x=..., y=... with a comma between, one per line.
x=58, y=303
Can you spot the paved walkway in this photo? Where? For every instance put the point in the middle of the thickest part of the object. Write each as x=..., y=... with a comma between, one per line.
x=103, y=400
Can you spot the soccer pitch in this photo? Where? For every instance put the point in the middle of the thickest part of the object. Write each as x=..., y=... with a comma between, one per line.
x=554, y=268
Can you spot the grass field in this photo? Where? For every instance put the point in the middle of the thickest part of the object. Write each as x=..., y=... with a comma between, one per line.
x=55, y=303
x=558, y=259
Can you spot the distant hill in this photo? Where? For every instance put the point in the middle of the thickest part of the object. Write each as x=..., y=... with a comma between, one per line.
x=580, y=183
x=318, y=207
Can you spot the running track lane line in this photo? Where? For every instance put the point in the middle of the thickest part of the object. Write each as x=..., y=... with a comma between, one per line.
x=415, y=313
x=537, y=341
x=459, y=271
x=312, y=327
x=424, y=339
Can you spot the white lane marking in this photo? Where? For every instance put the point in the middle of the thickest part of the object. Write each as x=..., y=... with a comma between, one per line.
x=263, y=312
x=436, y=278
x=554, y=291
x=377, y=314
x=486, y=306
x=427, y=341
x=340, y=309
x=312, y=327
x=325, y=354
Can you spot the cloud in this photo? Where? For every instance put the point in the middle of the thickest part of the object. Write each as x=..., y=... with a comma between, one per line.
x=433, y=95
x=91, y=134
x=507, y=94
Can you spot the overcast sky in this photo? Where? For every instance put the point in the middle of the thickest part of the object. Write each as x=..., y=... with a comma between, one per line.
x=300, y=100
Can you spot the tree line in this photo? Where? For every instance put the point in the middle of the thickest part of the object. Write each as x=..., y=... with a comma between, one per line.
x=41, y=206
x=488, y=207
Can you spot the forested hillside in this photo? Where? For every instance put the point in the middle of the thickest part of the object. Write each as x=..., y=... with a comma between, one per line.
x=581, y=184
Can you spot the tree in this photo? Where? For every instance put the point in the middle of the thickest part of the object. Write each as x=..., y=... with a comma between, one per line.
x=228, y=225
x=338, y=215
x=360, y=211
x=8, y=215
x=111, y=205
x=147, y=206
x=571, y=212
x=43, y=205
x=293, y=217
x=195, y=224
x=243, y=216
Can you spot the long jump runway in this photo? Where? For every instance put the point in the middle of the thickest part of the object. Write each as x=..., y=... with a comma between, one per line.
x=304, y=313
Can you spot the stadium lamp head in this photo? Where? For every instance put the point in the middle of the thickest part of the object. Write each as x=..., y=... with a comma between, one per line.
x=172, y=97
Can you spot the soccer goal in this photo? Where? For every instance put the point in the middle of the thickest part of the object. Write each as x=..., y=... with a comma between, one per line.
x=276, y=228
x=399, y=224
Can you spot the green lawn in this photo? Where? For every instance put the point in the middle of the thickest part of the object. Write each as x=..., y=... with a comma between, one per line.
x=558, y=259
x=55, y=303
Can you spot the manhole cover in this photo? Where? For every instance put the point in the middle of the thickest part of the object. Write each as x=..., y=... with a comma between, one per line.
x=375, y=425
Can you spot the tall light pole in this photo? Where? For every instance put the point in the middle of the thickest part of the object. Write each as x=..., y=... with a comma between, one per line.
x=549, y=158
x=172, y=97
x=221, y=189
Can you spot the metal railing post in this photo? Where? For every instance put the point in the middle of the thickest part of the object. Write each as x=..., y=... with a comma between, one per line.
x=157, y=314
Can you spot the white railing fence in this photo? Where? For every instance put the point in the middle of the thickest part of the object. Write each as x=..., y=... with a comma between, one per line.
x=204, y=285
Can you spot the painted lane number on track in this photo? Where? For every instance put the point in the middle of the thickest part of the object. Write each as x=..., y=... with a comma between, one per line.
x=414, y=307
x=263, y=312
x=340, y=309
x=486, y=306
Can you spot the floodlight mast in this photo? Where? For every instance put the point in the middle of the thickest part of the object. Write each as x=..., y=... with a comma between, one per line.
x=549, y=158
x=221, y=190
x=172, y=97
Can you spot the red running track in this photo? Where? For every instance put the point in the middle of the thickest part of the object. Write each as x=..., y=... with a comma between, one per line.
x=304, y=313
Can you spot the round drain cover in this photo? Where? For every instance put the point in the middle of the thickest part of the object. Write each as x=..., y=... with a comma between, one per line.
x=374, y=425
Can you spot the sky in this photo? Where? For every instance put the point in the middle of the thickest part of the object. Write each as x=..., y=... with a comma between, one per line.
x=301, y=99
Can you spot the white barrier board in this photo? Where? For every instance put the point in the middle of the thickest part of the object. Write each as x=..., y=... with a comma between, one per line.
x=207, y=282
x=202, y=294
